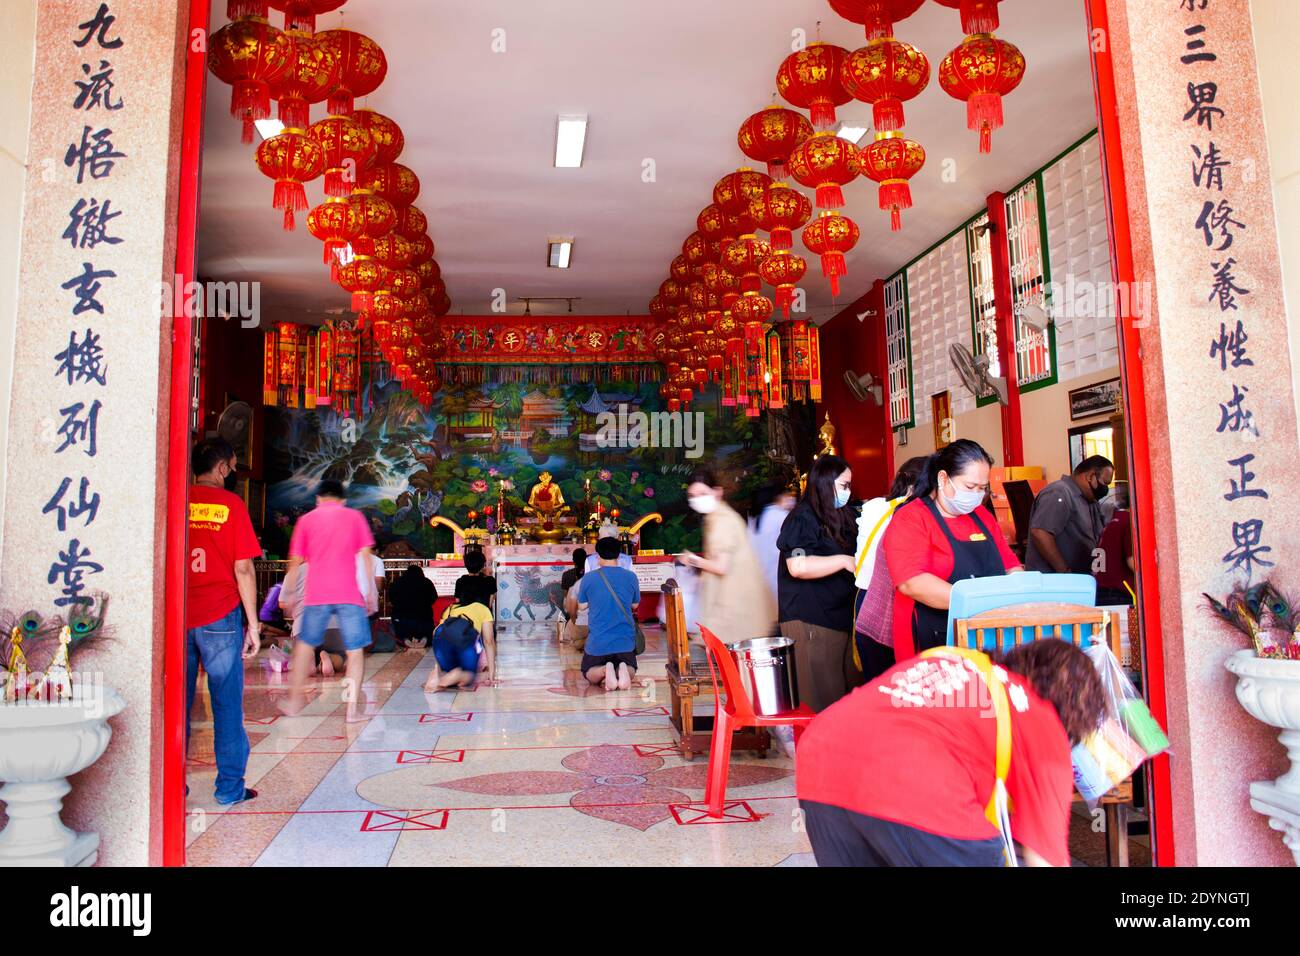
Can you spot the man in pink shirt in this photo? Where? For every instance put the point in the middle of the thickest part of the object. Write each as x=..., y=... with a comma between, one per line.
x=329, y=539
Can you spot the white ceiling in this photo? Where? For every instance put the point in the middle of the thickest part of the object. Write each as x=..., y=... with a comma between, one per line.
x=668, y=80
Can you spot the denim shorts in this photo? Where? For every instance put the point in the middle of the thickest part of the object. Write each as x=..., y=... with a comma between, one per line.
x=352, y=623
x=450, y=657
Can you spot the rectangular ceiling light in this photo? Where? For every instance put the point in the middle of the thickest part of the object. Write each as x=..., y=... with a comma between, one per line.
x=559, y=253
x=570, y=140
x=267, y=128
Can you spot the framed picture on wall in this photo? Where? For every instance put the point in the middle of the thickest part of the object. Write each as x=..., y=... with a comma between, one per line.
x=941, y=416
x=1093, y=400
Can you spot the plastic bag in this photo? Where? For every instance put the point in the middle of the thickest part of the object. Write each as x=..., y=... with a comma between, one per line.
x=1104, y=760
x=1125, y=704
x=277, y=660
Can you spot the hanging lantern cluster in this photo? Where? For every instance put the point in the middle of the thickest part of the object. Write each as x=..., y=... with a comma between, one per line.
x=375, y=241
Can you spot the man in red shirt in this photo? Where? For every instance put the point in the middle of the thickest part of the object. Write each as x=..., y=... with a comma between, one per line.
x=900, y=772
x=221, y=609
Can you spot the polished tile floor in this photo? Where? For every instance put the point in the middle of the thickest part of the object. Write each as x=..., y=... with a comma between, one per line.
x=538, y=770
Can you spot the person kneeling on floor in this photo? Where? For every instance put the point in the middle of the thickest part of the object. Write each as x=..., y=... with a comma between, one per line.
x=463, y=636
x=609, y=594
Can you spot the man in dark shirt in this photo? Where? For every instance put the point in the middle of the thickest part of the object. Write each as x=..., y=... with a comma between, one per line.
x=1066, y=523
x=476, y=586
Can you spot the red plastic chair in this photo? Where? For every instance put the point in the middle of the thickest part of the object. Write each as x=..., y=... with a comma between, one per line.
x=735, y=713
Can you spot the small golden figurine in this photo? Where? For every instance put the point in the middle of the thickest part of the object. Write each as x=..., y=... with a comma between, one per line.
x=16, y=686
x=827, y=435
x=58, y=676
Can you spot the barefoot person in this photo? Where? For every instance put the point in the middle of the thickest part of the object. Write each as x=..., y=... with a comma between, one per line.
x=464, y=637
x=610, y=594
x=329, y=539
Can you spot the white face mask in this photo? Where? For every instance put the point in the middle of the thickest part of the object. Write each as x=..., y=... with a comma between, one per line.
x=963, y=502
x=703, y=504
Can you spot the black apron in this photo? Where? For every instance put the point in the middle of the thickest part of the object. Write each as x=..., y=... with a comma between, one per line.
x=971, y=559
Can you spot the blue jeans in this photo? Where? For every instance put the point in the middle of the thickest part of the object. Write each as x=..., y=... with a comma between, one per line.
x=220, y=647
x=352, y=623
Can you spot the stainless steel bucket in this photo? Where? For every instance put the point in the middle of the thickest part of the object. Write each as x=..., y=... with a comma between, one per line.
x=767, y=675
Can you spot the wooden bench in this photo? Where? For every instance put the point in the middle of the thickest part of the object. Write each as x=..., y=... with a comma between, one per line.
x=688, y=680
x=1032, y=622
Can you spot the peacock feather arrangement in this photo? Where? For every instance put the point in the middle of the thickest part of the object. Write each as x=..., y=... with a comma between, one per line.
x=31, y=636
x=1266, y=615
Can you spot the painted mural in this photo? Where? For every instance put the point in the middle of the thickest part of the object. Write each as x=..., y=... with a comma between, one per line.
x=404, y=463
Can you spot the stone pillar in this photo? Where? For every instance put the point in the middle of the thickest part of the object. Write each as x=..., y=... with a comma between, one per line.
x=102, y=151
x=1205, y=235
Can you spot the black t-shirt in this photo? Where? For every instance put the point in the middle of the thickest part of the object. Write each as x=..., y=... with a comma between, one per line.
x=569, y=578
x=480, y=588
x=411, y=599
x=825, y=602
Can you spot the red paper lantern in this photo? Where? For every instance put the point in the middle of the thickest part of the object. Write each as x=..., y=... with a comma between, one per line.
x=770, y=134
x=301, y=14
x=362, y=67
x=825, y=162
x=712, y=222
x=291, y=159
x=878, y=16
x=312, y=72
x=363, y=277
x=830, y=236
x=783, y=271
x=403, y=283
x=336, y=223
x=249, y=54
x=977, y=16
x=376, y=215
x=752, y=307
x=698, y=251
x=441, y=306
x=779, y=211
x=718, y=280
x=392, y=251
x=384, y=133
x=742, y=259
x=237, y=9
x=411, y=223
x=673, y=292
x=982, y=70
x=891, y=161
x=348, y=151
x=395, y=182
x=735, y=191
x=884, y=73
x=680, y=269
x=429, y=273
x=422, y=249
x=811, y=79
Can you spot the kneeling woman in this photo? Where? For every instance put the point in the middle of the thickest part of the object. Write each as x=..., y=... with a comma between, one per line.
x=942, y=536
x=916, y=790
x=458, y=644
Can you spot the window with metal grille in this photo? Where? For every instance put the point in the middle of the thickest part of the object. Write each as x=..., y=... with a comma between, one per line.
x=898, y=346
x=1035, y=349
x=984, y=319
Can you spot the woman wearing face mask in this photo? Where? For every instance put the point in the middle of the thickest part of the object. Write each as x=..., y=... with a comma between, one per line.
x=733, y=599
x=943, y=535
x=815, y=584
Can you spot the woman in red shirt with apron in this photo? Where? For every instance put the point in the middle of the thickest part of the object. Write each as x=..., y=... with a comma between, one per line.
x=942, y=536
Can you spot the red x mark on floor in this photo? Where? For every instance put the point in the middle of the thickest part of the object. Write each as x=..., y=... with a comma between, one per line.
x=640, y=711
x=380, y=821
x=657, y=750
x=431, y=756
x=446, y=718
x=262, y=720
x=697, y=814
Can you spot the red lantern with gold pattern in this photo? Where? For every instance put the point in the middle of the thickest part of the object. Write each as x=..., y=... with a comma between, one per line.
x=301, y=14
x=441, y=305
x=769, y=136
x=884, y=73
x=878, y=16
x=392, y=251
x=363, y=277
x=697, y=251
x=411, y=223
x=783, y=271
x=752, y=307
x=977, y=16
x=249, y=55
x=735, y=191
x=395, y=182
x=422, y=249
x=779, y=211
x=312, y=72
x=658, y=307
x=718, y=280
x=830, y=236
x=742, y=259
x=673, y=292
x=982, y=70
x=403, y=283
x=236, y=9
x=362, y=67
x=891, y=161
x=811, y=79
x=680, y=269
x=291, y=159
x=825, y=163
x=429, y=273
x=712, y=222
x=376, y=215
x=348, y=151
x=336, y=223
x=384, y=133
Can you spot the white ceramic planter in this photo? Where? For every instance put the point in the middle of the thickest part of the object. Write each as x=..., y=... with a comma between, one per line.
x=41, y=745
x=1269, y=690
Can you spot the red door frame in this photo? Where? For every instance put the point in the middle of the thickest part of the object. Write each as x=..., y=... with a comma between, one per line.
x=176, y=553
x=178, y=443
x=1135, y=420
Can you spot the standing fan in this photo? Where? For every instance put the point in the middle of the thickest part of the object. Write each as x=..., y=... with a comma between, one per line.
x=974, y=373
x=864, y=387
x=234, y=424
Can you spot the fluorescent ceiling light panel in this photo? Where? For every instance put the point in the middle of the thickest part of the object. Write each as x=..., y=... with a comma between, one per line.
x=559, y=253
x=852, y=133
x=570, y=140
x=269, y=127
